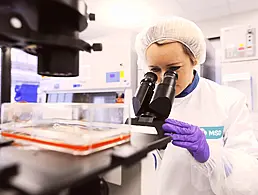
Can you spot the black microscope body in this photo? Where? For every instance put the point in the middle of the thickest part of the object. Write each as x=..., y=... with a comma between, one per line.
x=153, y=106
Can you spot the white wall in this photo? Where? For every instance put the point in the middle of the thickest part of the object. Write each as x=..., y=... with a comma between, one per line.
x=211, y=28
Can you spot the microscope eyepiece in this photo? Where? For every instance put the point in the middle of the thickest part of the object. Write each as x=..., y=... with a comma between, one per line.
x=144, y=93
x=158, y=104
x=165, y=94
x=170, y=77
x=150, y=77
x=170, y=73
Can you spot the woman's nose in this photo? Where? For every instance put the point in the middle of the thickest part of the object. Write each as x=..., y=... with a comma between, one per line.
x=162, y=74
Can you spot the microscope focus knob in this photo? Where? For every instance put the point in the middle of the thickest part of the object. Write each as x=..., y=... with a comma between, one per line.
x=97, y=47
x=92, y=17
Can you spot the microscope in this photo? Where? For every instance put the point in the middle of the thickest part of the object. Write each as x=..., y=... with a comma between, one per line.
x=152, y=106
x=48, y=29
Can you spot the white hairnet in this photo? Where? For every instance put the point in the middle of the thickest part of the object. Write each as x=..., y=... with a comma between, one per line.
x=172, y=29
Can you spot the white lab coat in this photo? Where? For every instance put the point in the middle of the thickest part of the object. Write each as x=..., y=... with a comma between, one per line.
x=232, y=167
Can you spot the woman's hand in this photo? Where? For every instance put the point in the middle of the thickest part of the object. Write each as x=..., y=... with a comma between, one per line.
x=188, y=136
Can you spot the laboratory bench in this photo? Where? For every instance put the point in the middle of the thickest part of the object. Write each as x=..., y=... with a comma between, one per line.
x=44, y=172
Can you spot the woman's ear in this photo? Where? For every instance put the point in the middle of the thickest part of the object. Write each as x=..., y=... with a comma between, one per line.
x=195, y=62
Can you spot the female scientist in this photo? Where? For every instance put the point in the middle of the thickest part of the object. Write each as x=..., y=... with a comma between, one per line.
x=214, y=149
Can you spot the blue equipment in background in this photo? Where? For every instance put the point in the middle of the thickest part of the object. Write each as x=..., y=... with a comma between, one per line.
x=26, y=93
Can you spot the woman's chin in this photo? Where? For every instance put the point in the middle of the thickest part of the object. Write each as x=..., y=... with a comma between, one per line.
x=178, y=92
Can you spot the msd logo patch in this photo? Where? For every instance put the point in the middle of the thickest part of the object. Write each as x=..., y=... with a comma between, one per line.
x=213, y=132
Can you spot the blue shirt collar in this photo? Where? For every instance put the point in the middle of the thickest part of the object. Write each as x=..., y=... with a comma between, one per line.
x=190, y=87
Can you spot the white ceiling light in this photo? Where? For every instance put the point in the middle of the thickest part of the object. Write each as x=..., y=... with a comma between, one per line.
x=126, y=13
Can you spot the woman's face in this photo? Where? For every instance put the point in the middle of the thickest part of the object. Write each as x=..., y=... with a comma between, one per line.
x=162, y=57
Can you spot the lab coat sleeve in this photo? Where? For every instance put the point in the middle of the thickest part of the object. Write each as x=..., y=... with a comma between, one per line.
x=233, y=167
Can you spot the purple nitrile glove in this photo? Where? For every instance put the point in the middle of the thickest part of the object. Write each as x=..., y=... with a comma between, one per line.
x=188, y=136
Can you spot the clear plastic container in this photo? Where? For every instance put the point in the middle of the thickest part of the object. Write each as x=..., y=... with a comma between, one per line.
x=78, y=129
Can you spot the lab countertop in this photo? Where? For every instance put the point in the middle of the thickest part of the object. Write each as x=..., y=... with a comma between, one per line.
x=42, y=172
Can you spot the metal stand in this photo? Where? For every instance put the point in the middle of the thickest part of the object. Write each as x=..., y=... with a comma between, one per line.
x=6, y=80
